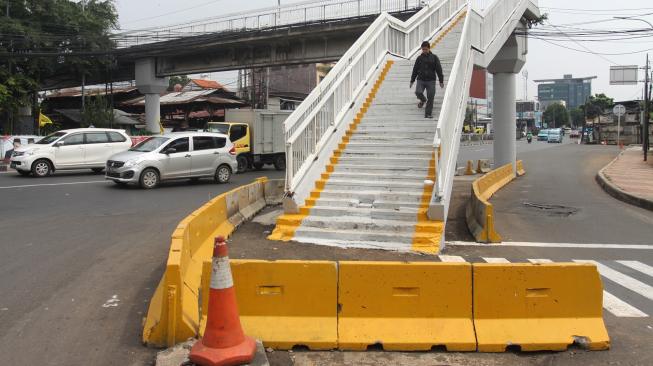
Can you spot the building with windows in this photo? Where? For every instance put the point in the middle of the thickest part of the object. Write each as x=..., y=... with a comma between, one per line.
x=573, y=91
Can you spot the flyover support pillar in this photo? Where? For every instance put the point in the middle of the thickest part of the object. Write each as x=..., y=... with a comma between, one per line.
x=504, y=118
x=152, y=86
x=504, y=67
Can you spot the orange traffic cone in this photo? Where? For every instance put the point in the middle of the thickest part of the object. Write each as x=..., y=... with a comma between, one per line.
x=224, y=342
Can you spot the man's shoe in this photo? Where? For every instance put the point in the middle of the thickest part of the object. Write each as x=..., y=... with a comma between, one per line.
x=420, y=104
x=428, y=116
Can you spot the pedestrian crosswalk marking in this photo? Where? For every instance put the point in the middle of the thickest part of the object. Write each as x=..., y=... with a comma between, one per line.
x=620, y=308
x=638, y=266
x=536, y=261
x=623, y=280
x=452, y=258
x=496, y=260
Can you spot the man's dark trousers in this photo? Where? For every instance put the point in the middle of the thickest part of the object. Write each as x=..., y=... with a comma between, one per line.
x=430, y=94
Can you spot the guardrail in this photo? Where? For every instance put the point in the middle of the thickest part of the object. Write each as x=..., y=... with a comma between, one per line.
x=310, y=127
x=270, y=17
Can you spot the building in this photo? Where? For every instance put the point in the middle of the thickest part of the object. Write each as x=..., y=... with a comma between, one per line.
x=573, y=91
x=529, y=115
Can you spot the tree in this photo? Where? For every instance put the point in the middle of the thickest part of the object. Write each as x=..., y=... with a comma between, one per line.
x=577, y=116
x=556, y=115
x=45, y=38
x=174, y=80
x=595, y=106
x=97, y=113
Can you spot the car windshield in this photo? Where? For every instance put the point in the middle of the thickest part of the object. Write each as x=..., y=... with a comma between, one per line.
x=150, y=144
x=219, y=128
x=51, y=138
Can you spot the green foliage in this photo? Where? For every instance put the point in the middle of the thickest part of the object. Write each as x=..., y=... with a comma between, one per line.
x=596, y=104
x=537, y=21
x=577, y=116
x=97, y=112
x=174, y=80
x=556, y=115
x=60, y=27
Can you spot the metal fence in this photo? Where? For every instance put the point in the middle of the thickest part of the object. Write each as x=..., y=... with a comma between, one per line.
x=297, y=13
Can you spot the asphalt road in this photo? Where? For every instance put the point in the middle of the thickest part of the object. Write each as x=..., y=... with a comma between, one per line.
x=557, y=212
x=79, y=260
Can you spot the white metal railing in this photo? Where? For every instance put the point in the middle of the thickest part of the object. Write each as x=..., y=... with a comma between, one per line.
x=296, y=13
x=311, y=125
x=479, y=30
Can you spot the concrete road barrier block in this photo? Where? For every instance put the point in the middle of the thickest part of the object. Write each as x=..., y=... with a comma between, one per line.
x=470, y=168
x=286, y=303
x=543, y=307
x=520, y=168
x=405, y=306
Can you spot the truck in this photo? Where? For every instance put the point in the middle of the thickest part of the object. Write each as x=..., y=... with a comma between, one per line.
x=258, y=136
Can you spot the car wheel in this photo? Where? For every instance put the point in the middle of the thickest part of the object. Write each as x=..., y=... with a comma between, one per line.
x=149, y=178
x=242, y=163
x=24, y=173
x=97, y=170
x=222, y=174
x=41, y=168
x=280, y=162
x=258, y=166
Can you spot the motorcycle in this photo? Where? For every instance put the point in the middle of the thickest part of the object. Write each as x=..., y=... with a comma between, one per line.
x=529, y=139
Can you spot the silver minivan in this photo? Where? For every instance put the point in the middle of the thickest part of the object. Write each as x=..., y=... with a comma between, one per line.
x=187, y=155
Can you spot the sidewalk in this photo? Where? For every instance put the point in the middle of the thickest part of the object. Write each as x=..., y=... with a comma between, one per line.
x=629, y=178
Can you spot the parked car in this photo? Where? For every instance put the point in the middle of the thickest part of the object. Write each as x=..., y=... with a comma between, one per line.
x=179, y=155
x=574, y=133
x=555, y=135
x=79, y=148
x=543, y=135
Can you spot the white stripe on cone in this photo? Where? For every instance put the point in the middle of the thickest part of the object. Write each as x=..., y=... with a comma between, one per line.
x=221, y=274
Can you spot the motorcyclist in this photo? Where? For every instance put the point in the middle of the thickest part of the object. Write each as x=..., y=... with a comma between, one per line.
x=529, y=137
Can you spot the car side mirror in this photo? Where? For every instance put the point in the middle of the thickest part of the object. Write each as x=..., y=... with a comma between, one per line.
x=59, y=143
x=170, y=150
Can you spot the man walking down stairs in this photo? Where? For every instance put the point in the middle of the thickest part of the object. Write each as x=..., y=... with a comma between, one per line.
x=427, y=71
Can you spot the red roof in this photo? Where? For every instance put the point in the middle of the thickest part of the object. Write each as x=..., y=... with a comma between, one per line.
x=207, y=84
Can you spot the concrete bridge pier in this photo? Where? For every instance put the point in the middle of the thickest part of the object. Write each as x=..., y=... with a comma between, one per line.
x=152, y=86
x=504, y=67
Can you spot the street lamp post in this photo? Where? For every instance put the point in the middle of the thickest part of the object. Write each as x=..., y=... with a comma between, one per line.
x=647, y=94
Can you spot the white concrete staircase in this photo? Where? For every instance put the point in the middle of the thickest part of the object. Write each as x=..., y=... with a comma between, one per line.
x=374, y=195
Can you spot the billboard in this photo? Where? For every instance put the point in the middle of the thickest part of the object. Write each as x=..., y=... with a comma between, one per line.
x=623, y=75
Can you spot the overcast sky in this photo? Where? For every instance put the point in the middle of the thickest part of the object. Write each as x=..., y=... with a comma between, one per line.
x=544, y=60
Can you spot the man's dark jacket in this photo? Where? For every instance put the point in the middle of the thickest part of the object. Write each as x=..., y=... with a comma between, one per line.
x=426, y=66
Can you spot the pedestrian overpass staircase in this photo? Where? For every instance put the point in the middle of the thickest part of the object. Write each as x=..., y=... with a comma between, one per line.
x=365, y=169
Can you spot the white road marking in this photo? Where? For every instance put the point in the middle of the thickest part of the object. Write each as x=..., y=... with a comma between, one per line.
x=452, y=258
x=620, y=308
x=553, y=245
x=53, y=184
x=638, y=266
x=496, y=260
x=623, y=280
x=536, y=261
x=112, y=302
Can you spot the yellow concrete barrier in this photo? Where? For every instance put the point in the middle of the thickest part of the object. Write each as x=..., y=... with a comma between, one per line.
x=538, y=307
x=520, y=168
x=284, y=303
x=174, y=312
x=405, y=306
x=483, y=166
x=479, y=212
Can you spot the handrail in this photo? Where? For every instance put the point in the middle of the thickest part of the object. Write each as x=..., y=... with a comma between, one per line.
x=295, y=13
x=447, y=139
x=310, y=126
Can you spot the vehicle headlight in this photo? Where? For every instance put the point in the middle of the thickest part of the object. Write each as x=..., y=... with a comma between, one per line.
x=18, y=153
x=131, y=163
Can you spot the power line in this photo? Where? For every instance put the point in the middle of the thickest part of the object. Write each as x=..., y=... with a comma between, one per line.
x=173, y=12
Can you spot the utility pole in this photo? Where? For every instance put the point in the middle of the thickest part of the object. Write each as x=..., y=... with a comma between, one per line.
x=83, y=72
x=647, y=98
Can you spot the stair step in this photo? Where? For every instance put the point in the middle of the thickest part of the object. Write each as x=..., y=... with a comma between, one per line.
x=381, y=167
x=371, y=145
x=358, y=223
x=366, y=195
x=388, y=185
x=379, y=204
x=397, y=125
x=398, y=152
x=386, y=162
x=407, y=213
x=388, y=240
x=403, y=176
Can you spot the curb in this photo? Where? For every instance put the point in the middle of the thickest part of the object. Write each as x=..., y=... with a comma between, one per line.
x=620, y=194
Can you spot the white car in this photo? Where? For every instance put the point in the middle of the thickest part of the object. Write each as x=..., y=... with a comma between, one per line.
x=80, y=148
